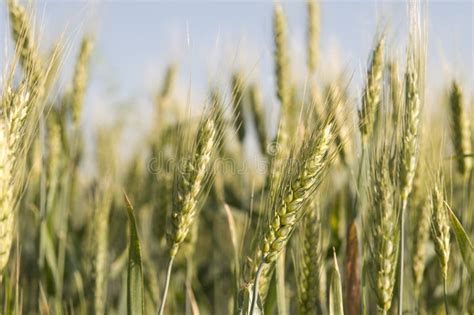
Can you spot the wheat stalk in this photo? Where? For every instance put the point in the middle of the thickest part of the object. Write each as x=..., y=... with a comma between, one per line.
x=352, y=271
x=103, y=205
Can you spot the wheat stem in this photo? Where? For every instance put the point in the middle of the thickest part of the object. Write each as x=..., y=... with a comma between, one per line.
x=402, y=254
x=445, y=291
x=167, y=284
x=255, y=287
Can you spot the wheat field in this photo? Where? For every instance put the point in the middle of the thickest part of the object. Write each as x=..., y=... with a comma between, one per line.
x=360, y=203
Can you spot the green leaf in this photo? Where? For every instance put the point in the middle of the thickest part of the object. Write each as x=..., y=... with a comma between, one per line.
x=135, y=302
x=335, y=291
x=464, y=243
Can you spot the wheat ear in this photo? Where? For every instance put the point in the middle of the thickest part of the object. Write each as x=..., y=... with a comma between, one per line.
x=26, y=47
x=191, y=188
x=313, y=35
x=395, y=91
x=256, y=106
x=372, y=92
x=460, y=130
x=422, y=233
x=283, y=84
x=310, y=263
x=12, y=133
x=335, y=103
x=289, y=201
x=440, y=233
x=238, y=104
x=281, y=57
x=408, y=155
x=384, y=228
x=440, y=229
x=191, y=185
x=80, y=78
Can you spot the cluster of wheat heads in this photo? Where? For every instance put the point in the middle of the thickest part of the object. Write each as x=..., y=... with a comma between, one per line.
x=364, y=205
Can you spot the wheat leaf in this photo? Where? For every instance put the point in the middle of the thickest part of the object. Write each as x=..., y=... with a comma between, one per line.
x=135, y=303
x=464, y=243
x=335, y=291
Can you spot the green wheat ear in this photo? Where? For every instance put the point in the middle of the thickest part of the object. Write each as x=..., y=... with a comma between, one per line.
x=383, y=226
x=288, y=202
x=422, y=233
x=9, y=133
x=192, y=185
x=80, y=79
x=283, y=89
x=372, y=91
x=26, y=46
x=238, y=104
x=460, y=130
x=258, y=112
x=313, y=10
x=440, y=230
x=282, y=66
x=395, y=92
x=310, y=267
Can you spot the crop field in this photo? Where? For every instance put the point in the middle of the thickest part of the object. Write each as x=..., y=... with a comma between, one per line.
x=311, y=197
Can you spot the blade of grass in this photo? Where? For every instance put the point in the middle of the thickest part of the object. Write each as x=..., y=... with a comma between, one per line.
x=464, y=243
x=335, y=291
x=135, y=302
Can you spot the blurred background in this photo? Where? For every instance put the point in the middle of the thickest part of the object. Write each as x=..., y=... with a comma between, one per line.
x=136, y=40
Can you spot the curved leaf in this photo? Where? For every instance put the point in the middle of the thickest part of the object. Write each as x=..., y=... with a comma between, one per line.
x=464, y=243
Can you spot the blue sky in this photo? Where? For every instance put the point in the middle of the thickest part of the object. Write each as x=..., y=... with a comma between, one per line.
x=135, y=40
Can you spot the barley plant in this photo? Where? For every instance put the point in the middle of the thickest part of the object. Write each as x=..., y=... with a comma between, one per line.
x=304, y=188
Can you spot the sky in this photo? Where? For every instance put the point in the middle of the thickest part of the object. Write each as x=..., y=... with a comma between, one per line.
x=136, y=40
